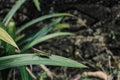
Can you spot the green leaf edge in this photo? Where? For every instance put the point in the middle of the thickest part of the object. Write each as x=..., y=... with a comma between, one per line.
x=28, y=59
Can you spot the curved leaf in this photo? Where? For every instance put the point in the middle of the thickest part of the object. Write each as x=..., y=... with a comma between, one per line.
x=41, y=19
x=12, y=11
x=6, y=37
x=41, y=39
x=27, y=59
x=42, y=32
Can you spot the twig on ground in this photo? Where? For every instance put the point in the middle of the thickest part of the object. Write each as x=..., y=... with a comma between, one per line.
x=97, y=74
x=49, y=73
x=30, y=72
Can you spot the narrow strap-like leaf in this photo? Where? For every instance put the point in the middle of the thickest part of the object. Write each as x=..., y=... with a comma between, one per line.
x=27, y=59
x=42, y=32
x=12, y=11
x=41, y=19
x=24, y=73
x=44, y=38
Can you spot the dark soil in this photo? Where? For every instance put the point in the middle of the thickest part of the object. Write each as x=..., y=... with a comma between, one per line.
x=96, y=43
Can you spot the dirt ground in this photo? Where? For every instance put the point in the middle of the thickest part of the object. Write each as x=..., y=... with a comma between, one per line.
x=96, y=40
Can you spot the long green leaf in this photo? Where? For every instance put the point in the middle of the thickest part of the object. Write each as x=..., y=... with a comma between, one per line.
x=27, y=59
x=12, y=11
x=47, y=28
x=24, y=73
x=41, y=39
x=37, y=4
x=42, y=32
x=41, y=19
x=6, y=37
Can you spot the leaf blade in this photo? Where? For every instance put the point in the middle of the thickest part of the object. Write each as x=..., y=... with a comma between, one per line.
x=27, y=59
x=41, y=39
x=7, y=38
x=37, y=4
x=43, y=31
x=41, y=19
x=24, y=73
x=12, y=11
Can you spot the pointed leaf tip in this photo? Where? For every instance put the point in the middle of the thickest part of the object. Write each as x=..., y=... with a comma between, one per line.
x=7, y=38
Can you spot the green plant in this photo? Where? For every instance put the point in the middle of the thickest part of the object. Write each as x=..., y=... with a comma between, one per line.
x=15, y=56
